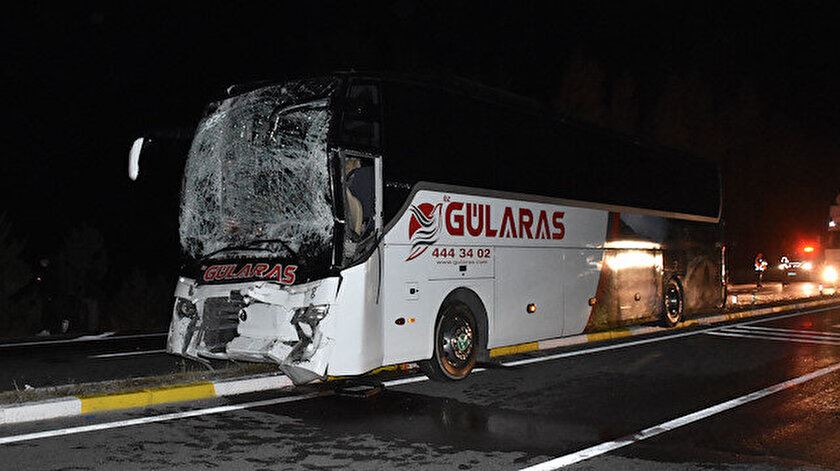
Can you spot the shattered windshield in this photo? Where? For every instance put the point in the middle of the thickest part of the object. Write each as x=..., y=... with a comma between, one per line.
x=257, y=171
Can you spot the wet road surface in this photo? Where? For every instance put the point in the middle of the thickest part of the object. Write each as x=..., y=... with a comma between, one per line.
x=508, y=417
x=773, y=291
x=54, y=362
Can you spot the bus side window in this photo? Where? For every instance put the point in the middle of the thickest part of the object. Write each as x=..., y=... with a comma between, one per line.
x=412, y=145
x=361, y=124
x=437, y=136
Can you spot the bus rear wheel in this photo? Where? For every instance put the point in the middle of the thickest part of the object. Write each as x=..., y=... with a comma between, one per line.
x=672, y=311
x=456, y=343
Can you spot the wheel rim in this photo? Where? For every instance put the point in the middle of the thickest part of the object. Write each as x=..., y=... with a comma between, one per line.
x=457, y=343
x=673, y=302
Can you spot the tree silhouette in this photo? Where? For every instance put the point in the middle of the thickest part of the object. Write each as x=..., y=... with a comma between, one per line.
x=19, y=307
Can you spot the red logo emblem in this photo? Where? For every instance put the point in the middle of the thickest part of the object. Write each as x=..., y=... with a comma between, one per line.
x=423, y=227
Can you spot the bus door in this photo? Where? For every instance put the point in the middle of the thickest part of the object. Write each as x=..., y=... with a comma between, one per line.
x=360, y=138
x=361, y=177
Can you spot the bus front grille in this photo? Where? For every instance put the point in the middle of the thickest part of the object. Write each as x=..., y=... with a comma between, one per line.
x=220, y=320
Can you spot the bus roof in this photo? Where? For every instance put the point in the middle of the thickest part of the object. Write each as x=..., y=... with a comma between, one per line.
x=590, y=140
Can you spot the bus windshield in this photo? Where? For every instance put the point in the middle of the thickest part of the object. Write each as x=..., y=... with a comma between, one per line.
x=258, y=171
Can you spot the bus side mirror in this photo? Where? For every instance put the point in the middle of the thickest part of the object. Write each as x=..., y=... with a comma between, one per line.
x=134, y=158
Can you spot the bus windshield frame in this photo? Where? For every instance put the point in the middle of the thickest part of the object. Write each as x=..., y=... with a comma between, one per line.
x=257, y=179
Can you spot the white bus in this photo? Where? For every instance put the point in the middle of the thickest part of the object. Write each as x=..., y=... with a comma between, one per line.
x=338, y=224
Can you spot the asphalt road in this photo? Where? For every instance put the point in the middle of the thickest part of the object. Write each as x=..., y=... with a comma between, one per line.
x=633, y=405
x=48, y=362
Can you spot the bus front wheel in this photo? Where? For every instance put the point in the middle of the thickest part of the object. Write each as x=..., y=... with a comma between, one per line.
x=456, y=343
x=673, y=303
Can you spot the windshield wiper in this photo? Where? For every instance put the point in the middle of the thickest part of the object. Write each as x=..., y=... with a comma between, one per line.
x=273, y=241
x=250, y=246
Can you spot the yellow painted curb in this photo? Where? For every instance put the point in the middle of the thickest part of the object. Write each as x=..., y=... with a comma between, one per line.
x=608, y=335
x=375, y=371
x=147, y=397
x=514, y=349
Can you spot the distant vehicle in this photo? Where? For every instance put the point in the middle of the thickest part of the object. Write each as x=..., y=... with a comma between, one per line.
x=793, y=270
x=335, y=225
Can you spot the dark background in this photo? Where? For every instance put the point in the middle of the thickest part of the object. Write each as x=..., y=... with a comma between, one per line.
x=750, y=85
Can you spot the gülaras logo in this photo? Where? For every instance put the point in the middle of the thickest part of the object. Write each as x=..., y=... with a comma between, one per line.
x=285, y=275
x=423, y=227
x=460, y=219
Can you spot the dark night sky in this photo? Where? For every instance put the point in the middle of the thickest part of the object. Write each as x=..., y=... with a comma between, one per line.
x=79, y=84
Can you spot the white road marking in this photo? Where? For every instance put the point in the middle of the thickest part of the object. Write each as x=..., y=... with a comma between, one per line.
x=396, y=382
x=792, y=331
x=527, y=361
x=86, y=338
x=399, y=382
x=127, y=354
x=153, y=419
x=622, y=442
x=743, y=330
x=764, y=337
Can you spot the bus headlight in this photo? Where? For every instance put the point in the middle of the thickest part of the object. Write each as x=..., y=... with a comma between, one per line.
x=829, y=274
x=807, y=266
x=185, y=308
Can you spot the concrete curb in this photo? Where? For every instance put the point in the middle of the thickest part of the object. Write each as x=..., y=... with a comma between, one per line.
x=82, y=405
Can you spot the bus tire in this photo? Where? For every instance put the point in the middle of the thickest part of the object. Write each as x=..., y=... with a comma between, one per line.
x=456, y=344
x=673, y=303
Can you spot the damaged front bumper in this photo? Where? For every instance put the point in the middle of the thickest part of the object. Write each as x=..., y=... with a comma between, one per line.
x=291, y=326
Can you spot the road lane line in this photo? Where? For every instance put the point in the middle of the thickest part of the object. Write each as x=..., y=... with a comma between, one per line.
x=622, y=442
x=792, y=331
x=742, y=330
x=765, y=337
x=395, y=382
x=556, y=356
x=127, y=354
x=86, y=338
x=399, y=382
x=153, y=419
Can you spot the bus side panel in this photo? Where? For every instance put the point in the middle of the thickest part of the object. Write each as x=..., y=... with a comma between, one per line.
x=358, y=320
x=559, y=282
x=629, y=289
x=412, y=293
x=630, y=286
x=586, y=266
x=528, y=276
x=533, y=250
x=702, y=284
x=693, y=254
